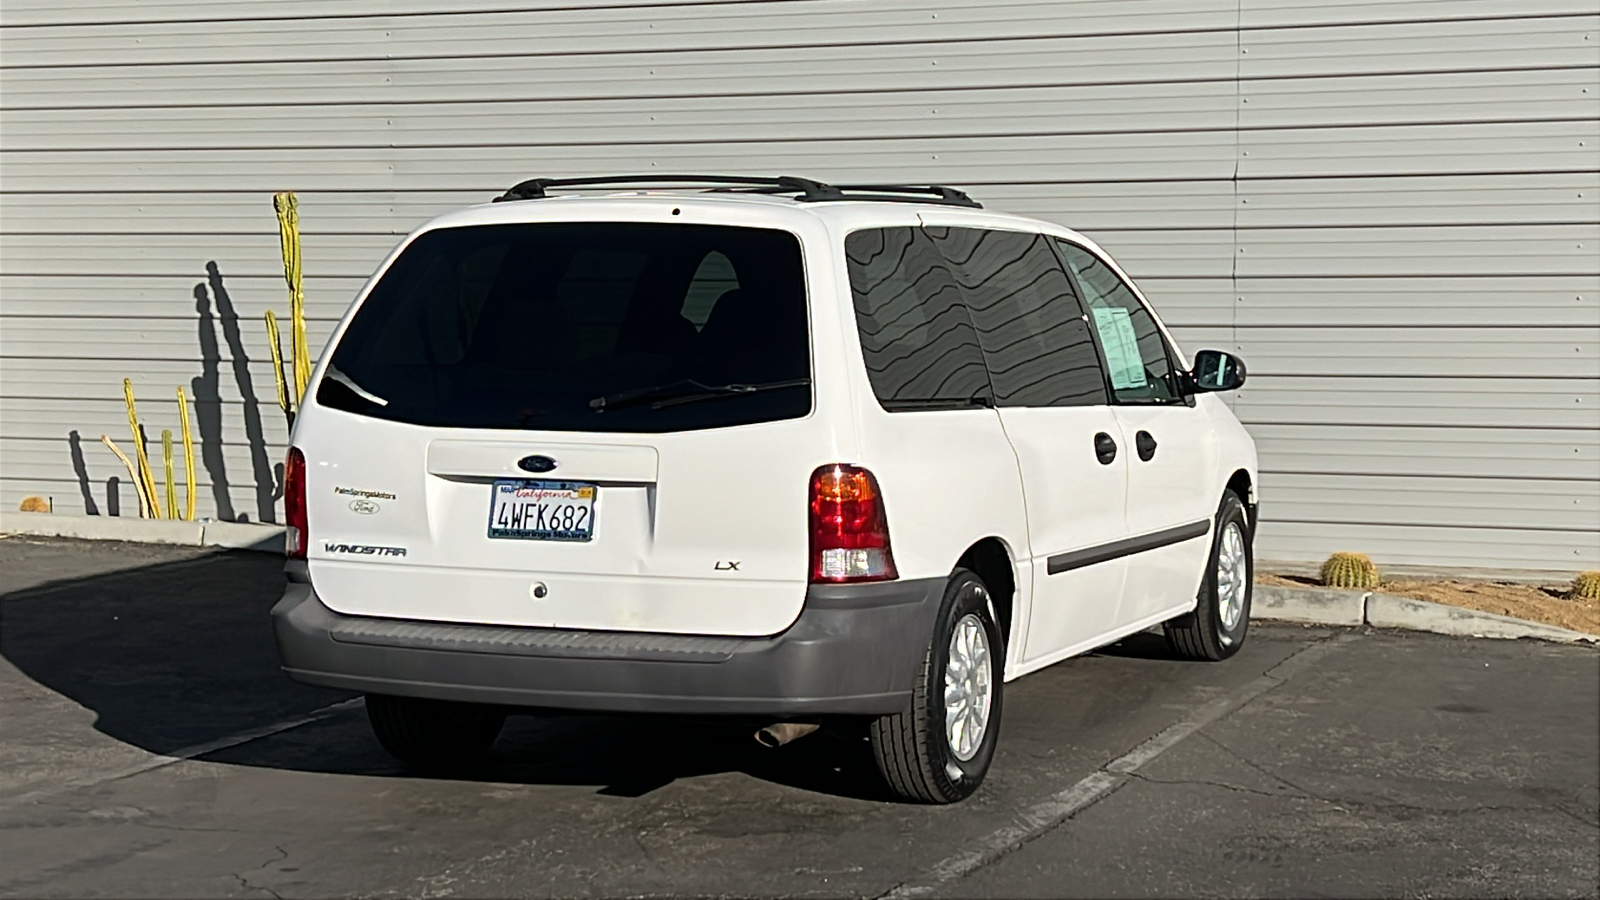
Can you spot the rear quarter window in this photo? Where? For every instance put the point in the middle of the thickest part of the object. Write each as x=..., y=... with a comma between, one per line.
x=917, y=339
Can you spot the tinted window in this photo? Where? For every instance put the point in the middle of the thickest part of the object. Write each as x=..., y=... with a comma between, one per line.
x=1029, y=324
x=1137, y=361
x=917, y=339
x=525, y=326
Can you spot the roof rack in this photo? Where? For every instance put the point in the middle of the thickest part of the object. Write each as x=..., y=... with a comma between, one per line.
x=805, y=189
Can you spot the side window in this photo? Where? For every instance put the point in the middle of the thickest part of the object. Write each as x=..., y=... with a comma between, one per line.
x=1032, y=331
x=1136, y=354
x=919, y=346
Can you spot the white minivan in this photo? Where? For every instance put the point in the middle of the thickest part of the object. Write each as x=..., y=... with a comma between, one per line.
x=752, y=446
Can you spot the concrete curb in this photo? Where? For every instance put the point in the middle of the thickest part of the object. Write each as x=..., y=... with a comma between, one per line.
x=243, y=536
x=235, y=535
x=1326, y=606
x=1385, y=611
x=1316, y=606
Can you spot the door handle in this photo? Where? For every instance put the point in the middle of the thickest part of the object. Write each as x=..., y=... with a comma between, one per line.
x=1145, y=445
x=1105, y=449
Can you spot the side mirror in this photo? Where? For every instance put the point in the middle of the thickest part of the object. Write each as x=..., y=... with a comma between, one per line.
x=1216, y=370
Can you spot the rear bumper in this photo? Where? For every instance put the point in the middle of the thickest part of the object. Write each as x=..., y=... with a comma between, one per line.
x=855, y=649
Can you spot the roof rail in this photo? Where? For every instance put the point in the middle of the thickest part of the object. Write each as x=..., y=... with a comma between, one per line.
x=932, y=193
x=806, y=190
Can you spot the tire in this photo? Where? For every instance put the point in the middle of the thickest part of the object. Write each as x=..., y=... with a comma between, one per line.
x=437, y=735
x=913, y=748
x=1221, y=618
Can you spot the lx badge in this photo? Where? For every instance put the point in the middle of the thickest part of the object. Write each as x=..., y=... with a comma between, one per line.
x=730, y=566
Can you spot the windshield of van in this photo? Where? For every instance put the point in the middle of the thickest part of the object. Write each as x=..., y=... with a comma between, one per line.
x=581, y=327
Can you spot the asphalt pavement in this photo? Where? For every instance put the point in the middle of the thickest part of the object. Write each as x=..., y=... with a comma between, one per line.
x=150, y=747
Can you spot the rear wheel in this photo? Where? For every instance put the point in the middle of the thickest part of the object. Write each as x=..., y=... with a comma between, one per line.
x=433, y=734
x=1221, y=618
x=939, y=749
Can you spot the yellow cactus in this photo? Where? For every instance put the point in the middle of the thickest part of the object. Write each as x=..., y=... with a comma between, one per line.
x=188, y=456
x=146, y=480
x=166, y=463
x=1586, y=586
x=289, y=240
x=1350, y=570
x=276, y=347
x=133, y=475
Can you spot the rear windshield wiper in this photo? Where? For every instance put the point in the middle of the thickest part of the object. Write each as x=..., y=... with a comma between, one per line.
x=686, y=391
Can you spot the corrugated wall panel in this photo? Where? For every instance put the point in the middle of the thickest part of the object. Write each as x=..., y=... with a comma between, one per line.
x=55, y=378
x=1025, y=157
x=46, y=12
x=1487, y=299
x=1495, y=547
x=1523, y=198
x=1352, y=400
x=1428, y=337
x=870, y=114
x=159, y=296
x=540, y=71
x=1538, y=505
x=1098, y=105
x=1279, y=14
x=1267, y=14
x=607, y=28
x=1389, y=207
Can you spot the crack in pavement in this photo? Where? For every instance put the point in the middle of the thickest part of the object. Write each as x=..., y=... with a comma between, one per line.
x=1251, y=764
x=1308, y=794
x=1056, y=810
x=245, y=882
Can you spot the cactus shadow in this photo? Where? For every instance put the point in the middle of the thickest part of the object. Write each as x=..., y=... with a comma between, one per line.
x=217, y=313
x=81, y=469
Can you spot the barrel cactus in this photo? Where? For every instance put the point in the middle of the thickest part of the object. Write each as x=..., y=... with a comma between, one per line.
x=1350, y=570
x=1586, y=586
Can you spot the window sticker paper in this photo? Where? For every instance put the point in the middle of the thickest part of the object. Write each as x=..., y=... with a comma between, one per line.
x=1121, y=346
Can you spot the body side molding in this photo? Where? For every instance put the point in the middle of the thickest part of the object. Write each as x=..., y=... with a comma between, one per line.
x=1077, y=559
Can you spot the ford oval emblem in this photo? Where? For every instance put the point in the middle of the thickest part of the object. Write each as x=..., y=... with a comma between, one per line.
x=536, y=464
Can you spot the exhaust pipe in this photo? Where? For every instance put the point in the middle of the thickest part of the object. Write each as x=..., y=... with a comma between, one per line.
x=780, y=733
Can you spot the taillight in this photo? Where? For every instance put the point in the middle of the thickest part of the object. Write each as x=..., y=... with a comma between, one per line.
x=849, y=531
x=294, y=505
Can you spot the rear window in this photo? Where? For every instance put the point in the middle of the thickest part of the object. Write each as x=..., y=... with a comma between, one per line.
x=581, y=327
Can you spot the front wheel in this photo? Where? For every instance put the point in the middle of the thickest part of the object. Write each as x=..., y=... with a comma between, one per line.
x=1221, y=618
x=939, y=749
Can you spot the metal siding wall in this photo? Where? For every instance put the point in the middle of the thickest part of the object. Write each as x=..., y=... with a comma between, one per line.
x=1389, y=208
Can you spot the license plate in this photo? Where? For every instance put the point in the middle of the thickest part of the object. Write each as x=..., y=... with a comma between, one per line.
x=542, y=510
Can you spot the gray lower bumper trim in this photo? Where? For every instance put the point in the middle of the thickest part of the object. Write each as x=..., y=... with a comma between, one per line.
x=854, y=649
x=532, y=641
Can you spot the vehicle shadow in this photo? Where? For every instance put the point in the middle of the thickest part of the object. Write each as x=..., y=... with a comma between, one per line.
x=177, y=654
